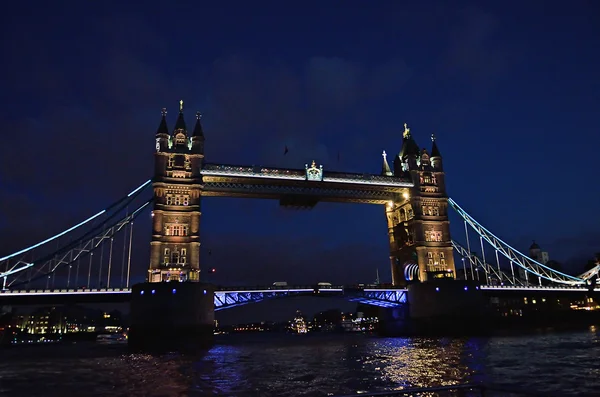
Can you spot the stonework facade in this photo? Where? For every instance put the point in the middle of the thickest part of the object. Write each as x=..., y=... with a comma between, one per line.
x=418, y=227
x=177, y=184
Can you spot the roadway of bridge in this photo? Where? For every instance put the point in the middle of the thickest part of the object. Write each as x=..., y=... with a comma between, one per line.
x=222, y=294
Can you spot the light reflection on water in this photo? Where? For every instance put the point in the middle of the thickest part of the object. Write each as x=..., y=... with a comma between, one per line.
x=308, y=365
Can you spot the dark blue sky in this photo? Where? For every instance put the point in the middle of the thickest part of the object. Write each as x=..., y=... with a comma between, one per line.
x=511, y=89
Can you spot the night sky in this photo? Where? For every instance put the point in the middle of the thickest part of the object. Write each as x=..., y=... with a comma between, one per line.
x=511, y=90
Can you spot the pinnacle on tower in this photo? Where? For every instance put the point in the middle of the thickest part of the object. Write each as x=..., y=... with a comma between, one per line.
x=180, y=123
x=198, y=132
x=435, y=152
x=162, y=127
x=385, y=169
x=409, y=146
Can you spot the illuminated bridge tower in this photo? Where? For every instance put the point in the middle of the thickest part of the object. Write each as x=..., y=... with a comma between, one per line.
x=175, y=244
x=418, y=226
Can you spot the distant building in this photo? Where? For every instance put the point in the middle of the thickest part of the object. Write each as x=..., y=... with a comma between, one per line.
x=535, y=253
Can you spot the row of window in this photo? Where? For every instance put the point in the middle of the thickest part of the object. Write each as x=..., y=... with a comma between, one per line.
x=174, y=229
x=175, y=257
x=430, y=210
x=178, y=199
x=433, y=235
x=428, y=179
x=436, y=259
x=187, y=163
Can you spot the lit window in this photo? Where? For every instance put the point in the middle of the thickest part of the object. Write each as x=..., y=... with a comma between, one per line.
x=169, y=199
x=183, y=251
x=167, y=251
x=176, y=230
x=171, y=161
x=430, y=254
x=442, y=255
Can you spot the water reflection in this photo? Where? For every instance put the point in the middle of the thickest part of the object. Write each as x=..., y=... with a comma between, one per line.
x=283, y=365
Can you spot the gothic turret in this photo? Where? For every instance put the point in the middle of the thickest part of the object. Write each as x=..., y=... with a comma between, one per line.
x=410, y=150
x=162, y=134
x=385, y=168
x=198, y=136
x=180, y=130
x=436, y=156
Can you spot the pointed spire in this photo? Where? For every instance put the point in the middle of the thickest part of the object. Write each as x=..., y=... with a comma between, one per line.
x=180, y=123
x=409, y=146
x=198, y=132
x=385, y=169
x=162, y=127
x=435, y=152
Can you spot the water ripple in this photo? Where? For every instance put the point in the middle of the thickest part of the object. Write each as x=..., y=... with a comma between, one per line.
x=320, y=365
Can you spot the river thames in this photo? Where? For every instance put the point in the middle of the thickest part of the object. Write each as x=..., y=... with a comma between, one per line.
x=307, y=365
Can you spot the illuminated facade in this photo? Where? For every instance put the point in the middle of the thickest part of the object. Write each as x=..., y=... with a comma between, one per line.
x=175, y=244
x=413, y=193
x=418, y=226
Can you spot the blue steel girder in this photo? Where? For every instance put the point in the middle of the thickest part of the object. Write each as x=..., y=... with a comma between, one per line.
x=228, y=299
x=380, y=297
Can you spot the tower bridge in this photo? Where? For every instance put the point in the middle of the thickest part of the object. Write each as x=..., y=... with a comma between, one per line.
x=93, y=258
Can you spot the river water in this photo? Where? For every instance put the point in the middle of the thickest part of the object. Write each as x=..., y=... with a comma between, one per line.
x=306, y=365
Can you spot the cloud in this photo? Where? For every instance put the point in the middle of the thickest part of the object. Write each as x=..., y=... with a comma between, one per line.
x=474, y=51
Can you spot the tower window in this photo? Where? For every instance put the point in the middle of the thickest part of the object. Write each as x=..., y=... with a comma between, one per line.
x=180, y=139
x=167, y=251
x=171, y=162
x=183, y=252
x=176, y=230
x=178, y=199
x=433, y=235
x=430, y=254
x=435, y=211
x=442, y=255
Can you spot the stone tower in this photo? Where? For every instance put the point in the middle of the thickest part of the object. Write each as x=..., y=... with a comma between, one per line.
x=418, y=226
x=175, y=243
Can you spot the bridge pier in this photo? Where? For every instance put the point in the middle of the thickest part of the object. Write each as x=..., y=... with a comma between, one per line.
x=171, y=315
x=447, y=307
x=437, y=308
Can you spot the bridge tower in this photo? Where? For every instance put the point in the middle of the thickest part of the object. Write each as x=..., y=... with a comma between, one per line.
x=418, y=226
x=177, y=184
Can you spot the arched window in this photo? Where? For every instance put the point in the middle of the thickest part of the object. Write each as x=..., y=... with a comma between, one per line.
x=175, y=257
